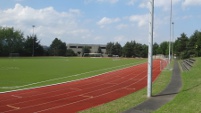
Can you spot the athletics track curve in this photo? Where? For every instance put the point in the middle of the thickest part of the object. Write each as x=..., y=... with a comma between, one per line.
x=78, y=95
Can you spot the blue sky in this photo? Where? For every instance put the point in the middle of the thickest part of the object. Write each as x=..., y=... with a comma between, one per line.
x=99, y=21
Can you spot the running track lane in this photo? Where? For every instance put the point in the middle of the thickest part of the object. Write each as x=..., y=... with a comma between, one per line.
x=78, y=95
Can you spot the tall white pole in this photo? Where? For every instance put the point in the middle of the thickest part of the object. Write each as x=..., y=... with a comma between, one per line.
x=173, y=39
x=33, y=41
x=150, y=53
x=170, y=30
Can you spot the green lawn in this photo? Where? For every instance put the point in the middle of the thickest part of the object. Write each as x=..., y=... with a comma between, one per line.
x=18, y=73
x=188, y=99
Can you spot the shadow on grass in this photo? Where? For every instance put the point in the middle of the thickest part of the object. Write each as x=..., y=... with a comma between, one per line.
x=188, y=89
x=168, y=94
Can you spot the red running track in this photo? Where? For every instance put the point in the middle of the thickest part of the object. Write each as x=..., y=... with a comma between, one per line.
x=78, y=95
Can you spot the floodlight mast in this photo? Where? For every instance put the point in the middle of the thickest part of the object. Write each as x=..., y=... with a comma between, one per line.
x=150, y=53
x=173, y=41
x=170, y=30
x=33, y=40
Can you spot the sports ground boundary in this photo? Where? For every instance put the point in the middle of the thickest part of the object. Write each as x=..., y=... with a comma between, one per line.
x=163, y=97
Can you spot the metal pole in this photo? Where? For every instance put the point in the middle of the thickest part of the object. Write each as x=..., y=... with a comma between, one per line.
x=172, y=39
x=170, y=30
x=150, y=53
x=33, y=40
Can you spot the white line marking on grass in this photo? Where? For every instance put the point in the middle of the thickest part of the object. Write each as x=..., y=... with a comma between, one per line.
x=10, y=87
x=22, y=87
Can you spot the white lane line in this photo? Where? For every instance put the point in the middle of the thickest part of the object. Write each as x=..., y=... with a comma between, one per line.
x=129, y=88
x=76, y=89
x=16, y=96
x=112, y=83
x=13, y=107
x=87, y=96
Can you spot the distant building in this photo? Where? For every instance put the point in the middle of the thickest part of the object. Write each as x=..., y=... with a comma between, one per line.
x=77, y=48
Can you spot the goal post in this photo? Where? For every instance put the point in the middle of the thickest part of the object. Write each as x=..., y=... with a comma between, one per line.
x=92, y=55
x=115, y=57
x=14, y=55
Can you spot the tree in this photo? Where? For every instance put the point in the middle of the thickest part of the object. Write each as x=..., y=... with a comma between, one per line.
x=113, y=49
x=128, y=49
x=194, y=45
x=181, y=48
x=58, y=48
x=118, y=49
x=109, y=47
x=11, y=41
x=85, y=49
x=164, y=47
x=197, y=45
x=133, y=49
x=144, y=52
x=155, y=49
x=32, y=47
x=99, y=50
x=70, y=52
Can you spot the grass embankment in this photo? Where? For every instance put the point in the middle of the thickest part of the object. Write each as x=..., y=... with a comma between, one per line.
x=19, y=73
x=188, y=99
x=134, y=99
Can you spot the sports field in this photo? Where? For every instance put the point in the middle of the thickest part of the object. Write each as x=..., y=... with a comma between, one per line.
x=83, y=94
x=20, y=73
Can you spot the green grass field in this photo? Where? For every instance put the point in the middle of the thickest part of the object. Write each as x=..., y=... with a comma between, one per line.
x=188, y=99
x=20, y=73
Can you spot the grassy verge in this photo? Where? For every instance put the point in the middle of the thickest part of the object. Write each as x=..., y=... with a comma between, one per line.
x=189, y=98
x=134, y=99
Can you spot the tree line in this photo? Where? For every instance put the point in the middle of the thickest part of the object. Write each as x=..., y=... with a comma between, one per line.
x=183, y=47
x=13, y=41
x=186, y=47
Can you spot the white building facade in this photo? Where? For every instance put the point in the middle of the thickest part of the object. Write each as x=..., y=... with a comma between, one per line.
x=77, y=48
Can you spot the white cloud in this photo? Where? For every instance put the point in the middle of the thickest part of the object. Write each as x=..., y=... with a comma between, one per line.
x=187, y=17
x=141, y=20
x=105, y=21
x=121, y=26
x=49, y=23
x=191, y=2
x=121, y=39
x=165, y=4
x=131, y=2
